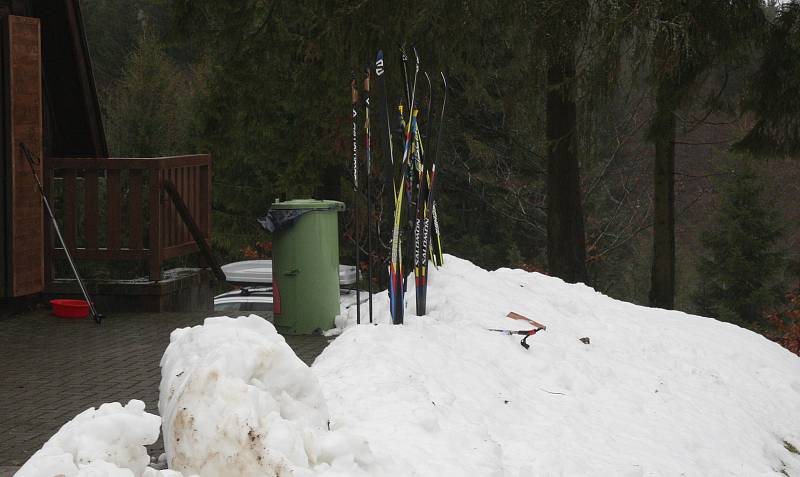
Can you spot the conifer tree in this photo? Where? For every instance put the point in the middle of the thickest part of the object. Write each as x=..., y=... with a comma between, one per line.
x=147, y=107
x=742, y=263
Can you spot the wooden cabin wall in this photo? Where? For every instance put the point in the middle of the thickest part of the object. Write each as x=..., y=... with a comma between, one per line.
x=23, y=121
x=69, y=124
x=5, y=190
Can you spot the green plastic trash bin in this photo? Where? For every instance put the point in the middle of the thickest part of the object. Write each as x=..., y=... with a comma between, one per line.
x=305, y=265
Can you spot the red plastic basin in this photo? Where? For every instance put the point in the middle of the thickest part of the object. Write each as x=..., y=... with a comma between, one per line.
x=70, y=308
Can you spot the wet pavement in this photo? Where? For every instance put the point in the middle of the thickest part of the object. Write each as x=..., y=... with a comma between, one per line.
x=52, y=369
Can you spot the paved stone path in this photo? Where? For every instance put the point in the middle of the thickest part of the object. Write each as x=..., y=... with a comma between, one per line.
x=51, y=369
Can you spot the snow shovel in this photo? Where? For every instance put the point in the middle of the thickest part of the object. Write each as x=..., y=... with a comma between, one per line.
x=97, y=317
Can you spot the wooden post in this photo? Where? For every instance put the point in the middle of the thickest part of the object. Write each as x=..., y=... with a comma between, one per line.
x=155, y=224
x=113, y=210
x=205, y=200
x=135, y=209
x=91, y=214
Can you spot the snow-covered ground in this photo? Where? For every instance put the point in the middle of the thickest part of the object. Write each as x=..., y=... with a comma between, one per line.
x=653, y=393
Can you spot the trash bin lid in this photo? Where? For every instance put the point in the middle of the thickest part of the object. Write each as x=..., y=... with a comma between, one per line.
x=249, y=271
x=315, y=204
x=260, y=272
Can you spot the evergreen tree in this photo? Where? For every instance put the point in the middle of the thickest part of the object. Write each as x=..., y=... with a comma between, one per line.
x=147, y=109
x=740, y=271
x=775, y=92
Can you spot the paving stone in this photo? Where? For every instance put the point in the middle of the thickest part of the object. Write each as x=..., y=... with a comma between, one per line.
x=52, y=369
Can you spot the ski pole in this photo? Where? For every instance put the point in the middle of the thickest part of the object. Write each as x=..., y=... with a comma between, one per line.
x=97, y=317
x=354, y=92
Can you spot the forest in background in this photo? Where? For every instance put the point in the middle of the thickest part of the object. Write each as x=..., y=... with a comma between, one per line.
x=264, y=87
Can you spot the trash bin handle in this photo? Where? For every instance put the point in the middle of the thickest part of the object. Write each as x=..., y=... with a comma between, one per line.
x=292, y=273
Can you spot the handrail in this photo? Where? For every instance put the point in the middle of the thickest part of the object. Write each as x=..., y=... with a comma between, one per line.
x=141, y=163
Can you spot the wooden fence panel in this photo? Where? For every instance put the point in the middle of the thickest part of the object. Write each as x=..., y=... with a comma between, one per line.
x=91, y=211
x=167, y=234
x=113, y=210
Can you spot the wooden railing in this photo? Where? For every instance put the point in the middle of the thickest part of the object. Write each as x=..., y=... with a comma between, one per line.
x=127, y=194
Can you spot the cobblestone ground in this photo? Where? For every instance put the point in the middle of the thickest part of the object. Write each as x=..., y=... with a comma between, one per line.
x=51, y=369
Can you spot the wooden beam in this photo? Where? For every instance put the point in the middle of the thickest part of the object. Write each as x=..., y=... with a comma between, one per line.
x=197, y=234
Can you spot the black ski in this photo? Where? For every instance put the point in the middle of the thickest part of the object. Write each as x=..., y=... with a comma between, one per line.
x=368, y=158
x=422, y=219
x=435, y=239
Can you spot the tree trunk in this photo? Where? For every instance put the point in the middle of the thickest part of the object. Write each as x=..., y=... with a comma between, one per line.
x=662, y=278
x=566, y=248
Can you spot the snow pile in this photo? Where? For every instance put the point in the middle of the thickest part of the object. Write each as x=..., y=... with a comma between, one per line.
x=108, y=441
x=236, y=401
x=649, y=393
x=655, y=392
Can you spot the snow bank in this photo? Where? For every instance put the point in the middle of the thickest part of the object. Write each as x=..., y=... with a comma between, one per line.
x=108, y=441
x=236, y=401
x=654, y=393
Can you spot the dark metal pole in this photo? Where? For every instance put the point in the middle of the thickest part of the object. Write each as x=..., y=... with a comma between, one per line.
x=97, y=317
x=354, y=91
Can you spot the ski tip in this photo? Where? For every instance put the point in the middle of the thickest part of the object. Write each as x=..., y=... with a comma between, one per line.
x=402, y=48
x=379, y=63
